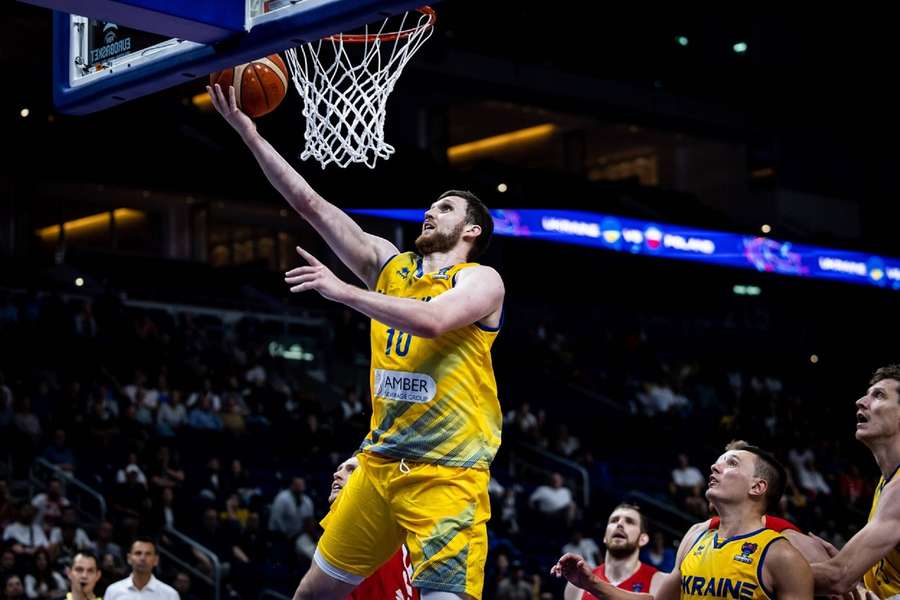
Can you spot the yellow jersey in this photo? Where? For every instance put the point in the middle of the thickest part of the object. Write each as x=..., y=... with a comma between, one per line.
x=883, y=579
x=729, y=568
x=433, y=400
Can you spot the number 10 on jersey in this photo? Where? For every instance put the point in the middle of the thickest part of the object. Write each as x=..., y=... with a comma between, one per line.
x=403, y=341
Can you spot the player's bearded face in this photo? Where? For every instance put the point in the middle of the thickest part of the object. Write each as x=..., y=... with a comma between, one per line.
x=439, y=239
x=623, y=532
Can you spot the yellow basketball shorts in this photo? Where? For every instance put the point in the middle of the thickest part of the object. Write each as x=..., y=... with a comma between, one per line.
x=440, y=512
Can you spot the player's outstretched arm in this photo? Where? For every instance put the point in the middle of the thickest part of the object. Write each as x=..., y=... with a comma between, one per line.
x=580, y=577
x=363, y=253
x=668, y=587
x=478, y=294
x=871, y=543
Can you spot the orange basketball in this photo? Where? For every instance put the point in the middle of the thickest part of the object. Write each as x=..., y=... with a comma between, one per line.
x=259, y=86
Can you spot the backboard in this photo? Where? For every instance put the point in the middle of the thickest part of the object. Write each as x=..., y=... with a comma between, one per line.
x=107, y=52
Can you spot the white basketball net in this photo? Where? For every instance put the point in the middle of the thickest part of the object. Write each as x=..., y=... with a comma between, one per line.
x=345, y=86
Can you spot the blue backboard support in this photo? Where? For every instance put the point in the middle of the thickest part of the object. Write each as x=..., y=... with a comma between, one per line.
x=203, y=21
x=90, y=78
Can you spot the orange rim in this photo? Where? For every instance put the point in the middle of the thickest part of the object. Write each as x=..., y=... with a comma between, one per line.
x=357, y=38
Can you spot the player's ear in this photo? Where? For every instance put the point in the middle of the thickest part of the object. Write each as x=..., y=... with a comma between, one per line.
x=643, y=540
x=759, y=487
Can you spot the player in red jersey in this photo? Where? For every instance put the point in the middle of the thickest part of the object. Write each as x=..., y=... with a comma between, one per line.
x=625, y=535
x=392, y=580
x=769, y=522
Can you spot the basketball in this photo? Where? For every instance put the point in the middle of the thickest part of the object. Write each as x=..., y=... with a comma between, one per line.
x=259, y=86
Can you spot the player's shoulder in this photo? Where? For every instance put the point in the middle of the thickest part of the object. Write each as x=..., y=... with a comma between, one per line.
x=480, y=275
x=779, y=549
x=693, y=535
x=812, y=550
x=397, y=260
x=889, y=501
x=697, y=528
x=479, y=269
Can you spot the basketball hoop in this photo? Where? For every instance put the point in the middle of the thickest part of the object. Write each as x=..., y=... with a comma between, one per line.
x=345, y=81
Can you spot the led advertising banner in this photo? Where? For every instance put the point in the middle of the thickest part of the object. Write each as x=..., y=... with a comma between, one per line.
x=635, y=236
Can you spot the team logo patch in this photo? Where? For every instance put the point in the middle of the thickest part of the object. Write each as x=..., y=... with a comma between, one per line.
x=403, y=273
x=699, y=550
x=637, y=587
x=746, y=550
x=442, y=274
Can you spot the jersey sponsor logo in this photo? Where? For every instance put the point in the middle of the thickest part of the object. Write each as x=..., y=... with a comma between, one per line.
x=699, y=550
x=746, y=550
x=722, y=587
x=403, y=273
x=404, y=386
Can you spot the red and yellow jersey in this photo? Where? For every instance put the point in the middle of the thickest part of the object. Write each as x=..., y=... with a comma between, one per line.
x=433, y=400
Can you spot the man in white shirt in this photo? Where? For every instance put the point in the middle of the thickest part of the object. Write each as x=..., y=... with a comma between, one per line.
x=70, y=517
x=686, y=477
x=555, y=500
x=141, y=584
x=51, y=503
x=584, y=547
x=290, y=509
x=26, y=536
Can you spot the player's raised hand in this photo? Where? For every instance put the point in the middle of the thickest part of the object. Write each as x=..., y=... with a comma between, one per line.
x=226, y=105
x=574, y=569
x=315, y=276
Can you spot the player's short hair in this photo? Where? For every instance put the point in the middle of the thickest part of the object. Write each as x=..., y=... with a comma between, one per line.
x=886, y=372
x=635, y=508
x=477, y=214
x=767, y=467
x=89, y=555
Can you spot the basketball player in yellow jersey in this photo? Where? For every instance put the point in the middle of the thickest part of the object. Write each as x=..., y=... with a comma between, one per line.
x=423, y=470
x=873, y=554
x=739, y=560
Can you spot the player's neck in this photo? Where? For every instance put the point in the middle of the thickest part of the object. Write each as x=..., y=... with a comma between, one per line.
x=737, y=519
x=436, y=261
x=618, y=570
x=887, y=454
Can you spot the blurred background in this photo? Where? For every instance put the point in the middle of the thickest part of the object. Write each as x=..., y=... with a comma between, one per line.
x=157, y=377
